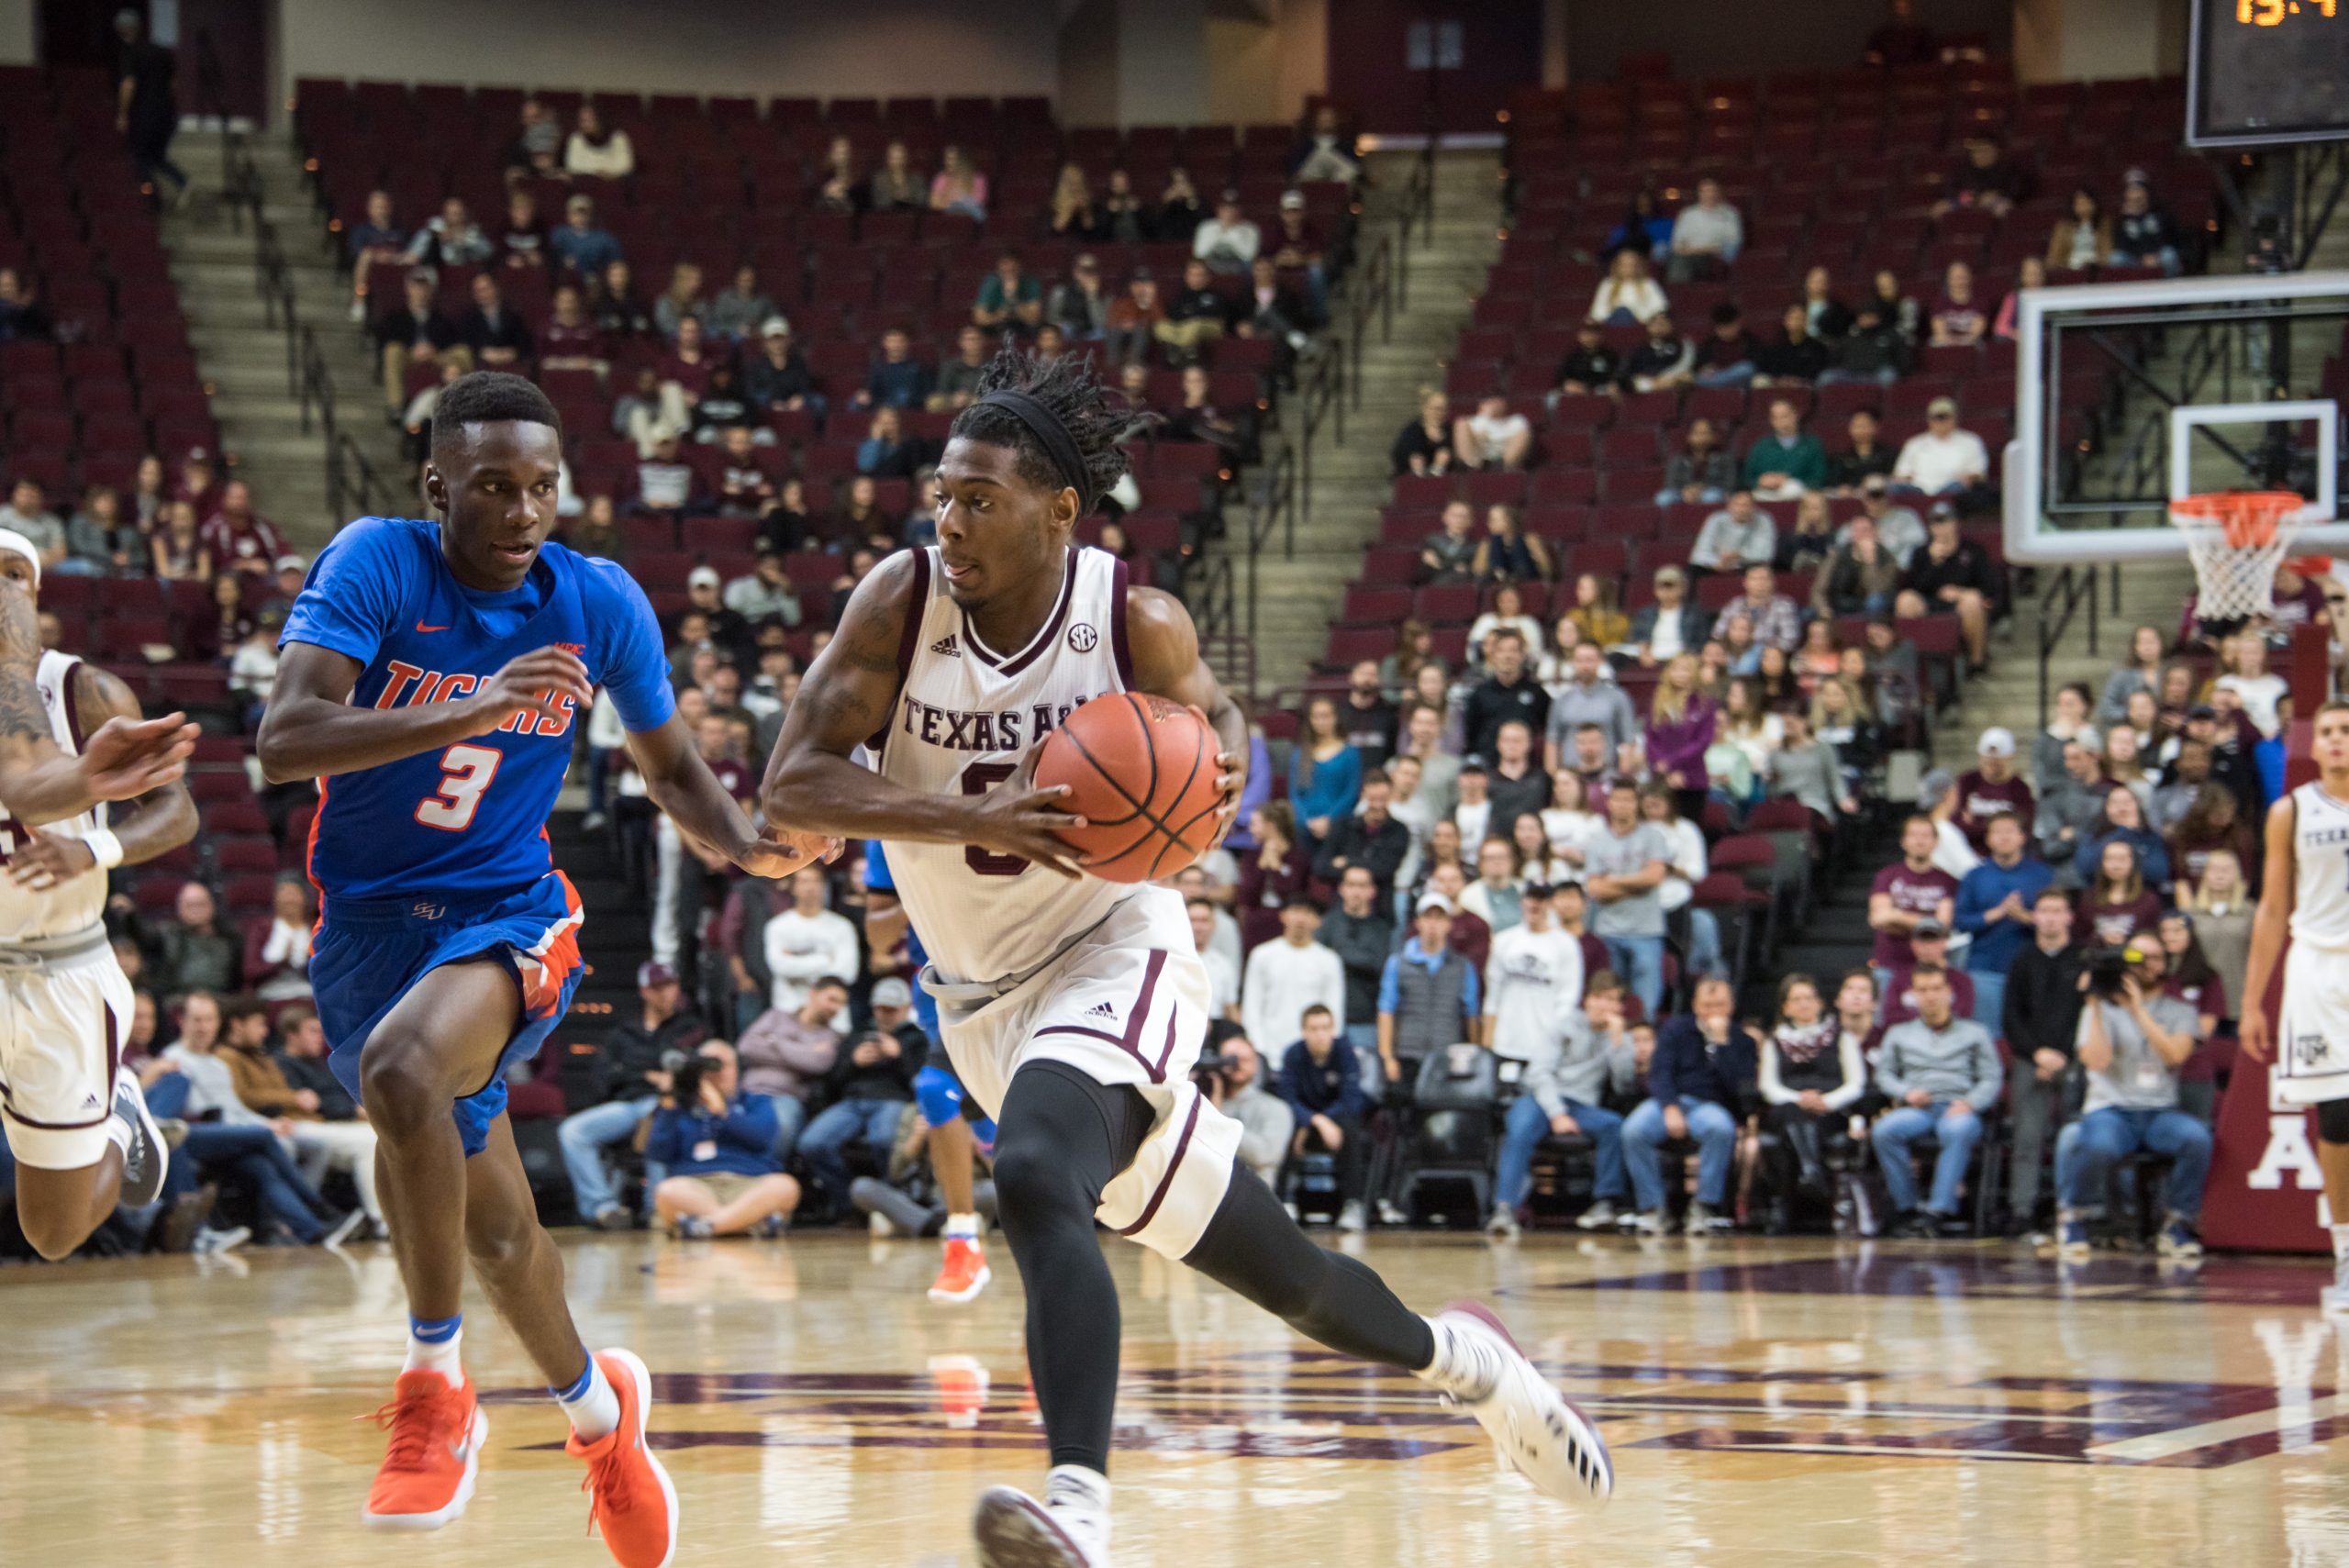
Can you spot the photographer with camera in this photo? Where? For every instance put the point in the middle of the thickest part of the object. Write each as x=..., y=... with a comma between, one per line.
x=1232, y=1076
x=715, y=1141
x=2133, y=1040
x=1322, y=1084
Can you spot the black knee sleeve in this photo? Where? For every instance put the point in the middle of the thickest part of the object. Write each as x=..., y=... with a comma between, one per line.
x=2333, y=1121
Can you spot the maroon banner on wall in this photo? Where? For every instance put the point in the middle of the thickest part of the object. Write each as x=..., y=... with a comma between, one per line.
x=2265, y=1192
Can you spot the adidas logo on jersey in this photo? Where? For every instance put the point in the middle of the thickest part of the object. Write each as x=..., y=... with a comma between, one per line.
x=1101, y=1010
x=945, y=647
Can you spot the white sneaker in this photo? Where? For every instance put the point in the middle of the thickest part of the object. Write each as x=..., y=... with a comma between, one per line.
x=1536, y=1430
x=1502, y=1226
x=1599, y=1216
x=1352, y=1218
x=880, y=1225
x=1013, y=1530
x=1389, y=1214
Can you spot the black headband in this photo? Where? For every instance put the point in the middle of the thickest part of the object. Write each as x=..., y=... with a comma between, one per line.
x=1058, y=444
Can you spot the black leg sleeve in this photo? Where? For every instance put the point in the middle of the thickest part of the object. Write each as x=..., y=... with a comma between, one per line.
x=1060, y=1140
x=1253, y=1247
x=2333, y=1121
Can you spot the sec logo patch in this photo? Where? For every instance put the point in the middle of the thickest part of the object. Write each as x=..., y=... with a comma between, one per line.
x=1083, y=638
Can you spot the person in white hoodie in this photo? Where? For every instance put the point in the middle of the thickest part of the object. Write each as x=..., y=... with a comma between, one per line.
x=1532, y=978
x=1286, y=977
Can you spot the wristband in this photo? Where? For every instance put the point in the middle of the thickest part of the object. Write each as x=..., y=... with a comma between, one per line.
x=104, y=847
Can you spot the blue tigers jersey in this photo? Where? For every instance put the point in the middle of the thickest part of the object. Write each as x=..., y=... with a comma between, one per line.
x=465, y=822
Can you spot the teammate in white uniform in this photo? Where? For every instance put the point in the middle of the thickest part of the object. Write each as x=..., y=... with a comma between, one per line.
x=2307, y=895
x=75, y=1118
x=1071, y=1007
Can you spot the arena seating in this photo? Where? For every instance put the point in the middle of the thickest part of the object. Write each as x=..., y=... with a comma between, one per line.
x=115, y=378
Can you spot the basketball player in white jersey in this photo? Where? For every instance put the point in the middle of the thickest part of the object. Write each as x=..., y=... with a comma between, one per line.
x=2307, y=895
x=1072, y=1008
x=75, y=1118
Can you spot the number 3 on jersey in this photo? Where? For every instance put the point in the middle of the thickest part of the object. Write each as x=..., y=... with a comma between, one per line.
x=466, y=772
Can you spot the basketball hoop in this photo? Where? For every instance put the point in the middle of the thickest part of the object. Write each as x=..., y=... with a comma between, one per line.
x=2236, y=538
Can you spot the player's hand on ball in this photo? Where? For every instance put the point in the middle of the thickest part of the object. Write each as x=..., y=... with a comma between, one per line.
x=538, y=682
x=776, y=852
x=47, y=859
x=1017, y=819
x=126, y=757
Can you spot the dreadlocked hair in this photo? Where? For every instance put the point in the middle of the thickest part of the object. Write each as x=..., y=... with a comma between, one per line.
x=1097, y=420
x=489, y=397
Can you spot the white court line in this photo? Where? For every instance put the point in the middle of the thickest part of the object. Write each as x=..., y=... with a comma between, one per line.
x=2185, y=1439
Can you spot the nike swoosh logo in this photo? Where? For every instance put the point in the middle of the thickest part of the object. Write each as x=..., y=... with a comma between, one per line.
x=422, y=627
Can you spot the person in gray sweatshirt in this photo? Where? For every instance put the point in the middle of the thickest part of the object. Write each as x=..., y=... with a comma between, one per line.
x=1566, y=1075
x=1807, y=769
x=1939, y=1071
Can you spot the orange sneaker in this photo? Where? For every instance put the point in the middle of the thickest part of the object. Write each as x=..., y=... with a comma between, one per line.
x=427, y=1476
x=963, y=1275
x=635, y=1506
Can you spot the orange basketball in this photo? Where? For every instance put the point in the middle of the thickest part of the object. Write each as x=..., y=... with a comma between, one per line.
x=1141, y=771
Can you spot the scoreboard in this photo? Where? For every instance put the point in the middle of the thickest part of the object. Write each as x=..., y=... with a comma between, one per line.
x=2261, y=71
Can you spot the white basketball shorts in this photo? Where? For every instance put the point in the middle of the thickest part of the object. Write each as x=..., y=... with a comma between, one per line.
x=60, y=1036
x=1126, y=1004
x=2311, y=1061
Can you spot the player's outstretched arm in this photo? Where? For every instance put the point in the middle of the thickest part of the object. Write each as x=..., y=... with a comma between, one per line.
x=124, y=758
x=679, y=784
x=149, y=825
x=1167, y=664
x=2269, y=926
x=310, y=730
x=850, y=693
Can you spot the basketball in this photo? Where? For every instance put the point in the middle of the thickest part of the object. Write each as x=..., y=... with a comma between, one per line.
x=1141, y=771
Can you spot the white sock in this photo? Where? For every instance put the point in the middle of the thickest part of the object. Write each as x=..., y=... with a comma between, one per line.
x=438, y=1355
x=590, y=1403
x=961, y=1228
x=2341, y=1241
x=1073, y=1489
x=1465, y=1365
x=118, y=1134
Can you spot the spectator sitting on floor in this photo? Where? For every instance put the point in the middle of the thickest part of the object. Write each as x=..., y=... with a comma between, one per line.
x=1740, y=535
x=1941, y=1072
x=631, y=1078
x=1786, y=460
x=1321, y=1079
x=1699, y=1082
x=718, y=1148
x=1663, y=360
x=1592, y=364
x=1493, y=437
x=1575, y=1067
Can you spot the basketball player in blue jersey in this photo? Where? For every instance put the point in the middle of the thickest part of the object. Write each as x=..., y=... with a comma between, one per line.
x=431, y=678
x=946, y=1108
x=1072, y=1008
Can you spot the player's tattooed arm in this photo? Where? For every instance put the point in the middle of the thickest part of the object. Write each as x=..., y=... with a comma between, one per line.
x=123, y=758
x=849, y=695
x=1167, y=664
x=146, y=826
x=309, y=729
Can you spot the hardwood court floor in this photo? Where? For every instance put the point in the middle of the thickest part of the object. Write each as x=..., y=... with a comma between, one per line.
x=1772, y=1403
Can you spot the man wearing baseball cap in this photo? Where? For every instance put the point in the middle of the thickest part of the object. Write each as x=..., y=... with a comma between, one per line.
x=1992, y=788
x=631, y=1080
x=1943, y=460
x=1429, y=998
x=1227, y=242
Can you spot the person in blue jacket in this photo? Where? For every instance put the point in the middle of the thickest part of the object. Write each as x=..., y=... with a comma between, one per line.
x=1322, y=1081
x=1324, y=772
x=1994, y=903
x=719, y=1149
x=2124, y=820
x=1700, y=1081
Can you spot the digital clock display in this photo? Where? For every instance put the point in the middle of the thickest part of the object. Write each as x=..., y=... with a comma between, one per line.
x=2267, y=70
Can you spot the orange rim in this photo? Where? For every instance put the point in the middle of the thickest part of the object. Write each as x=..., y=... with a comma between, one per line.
x=2248, y=516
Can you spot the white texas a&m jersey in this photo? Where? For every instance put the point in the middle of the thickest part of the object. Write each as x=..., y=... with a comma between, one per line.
x=2320, y=858
x=966, y=715
x=79, y=903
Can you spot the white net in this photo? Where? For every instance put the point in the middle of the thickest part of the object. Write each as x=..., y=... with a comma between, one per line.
x=2236, y=581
